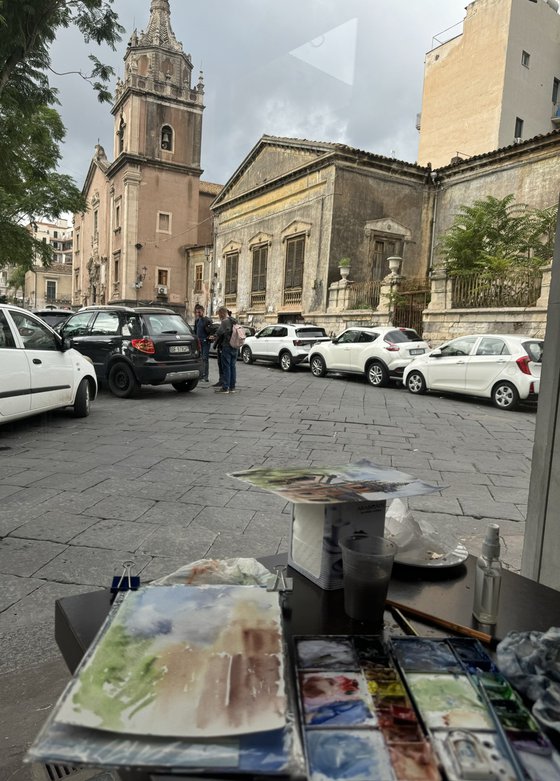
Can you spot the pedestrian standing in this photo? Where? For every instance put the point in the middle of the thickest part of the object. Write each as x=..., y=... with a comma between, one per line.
x=202, y=326
x=228, y=353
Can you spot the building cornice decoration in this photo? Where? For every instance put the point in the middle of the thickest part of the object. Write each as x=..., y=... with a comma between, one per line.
x=260, y=238
x=386, y=225
x=232, y=246
x=295, y=228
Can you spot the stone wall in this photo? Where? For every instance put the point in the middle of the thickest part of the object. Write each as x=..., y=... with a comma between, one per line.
x=442, y=322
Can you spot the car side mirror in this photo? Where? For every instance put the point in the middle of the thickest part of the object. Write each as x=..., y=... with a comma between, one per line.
x=65, y=343
x=437, y=353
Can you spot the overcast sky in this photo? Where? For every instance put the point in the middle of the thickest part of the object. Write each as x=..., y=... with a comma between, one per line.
x=347, y=71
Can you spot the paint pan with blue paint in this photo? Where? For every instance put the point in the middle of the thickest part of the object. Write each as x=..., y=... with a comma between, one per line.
x=419, y=654
x=325, y=653
x=359, y=755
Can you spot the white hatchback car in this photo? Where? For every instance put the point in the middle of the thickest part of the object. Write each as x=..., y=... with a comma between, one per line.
x=500, y=367
x=380, y=353
x=37, y=372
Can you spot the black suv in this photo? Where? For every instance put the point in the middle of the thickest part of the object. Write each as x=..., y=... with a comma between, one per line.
x=133, y=346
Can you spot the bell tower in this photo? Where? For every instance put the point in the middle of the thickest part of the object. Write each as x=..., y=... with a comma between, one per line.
x=158, y=112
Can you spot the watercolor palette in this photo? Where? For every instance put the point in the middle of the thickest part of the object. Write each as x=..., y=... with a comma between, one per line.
x=413, y=709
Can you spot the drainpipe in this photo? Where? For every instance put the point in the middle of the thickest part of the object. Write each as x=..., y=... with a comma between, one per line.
x=435, y=182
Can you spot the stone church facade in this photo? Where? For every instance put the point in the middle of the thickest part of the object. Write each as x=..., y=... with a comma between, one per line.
x=148, y=209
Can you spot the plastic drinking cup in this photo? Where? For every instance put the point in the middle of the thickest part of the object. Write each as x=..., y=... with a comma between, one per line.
x=367, y=563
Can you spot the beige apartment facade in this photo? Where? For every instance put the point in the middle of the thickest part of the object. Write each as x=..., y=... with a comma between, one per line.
x=147, y=207
x=493, y=85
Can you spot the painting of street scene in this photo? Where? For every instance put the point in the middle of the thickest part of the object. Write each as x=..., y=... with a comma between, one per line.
x=362, y=481
x=185, y=661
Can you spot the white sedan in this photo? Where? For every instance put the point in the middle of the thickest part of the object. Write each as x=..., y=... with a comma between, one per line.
x=500, y=367
x=37, y=371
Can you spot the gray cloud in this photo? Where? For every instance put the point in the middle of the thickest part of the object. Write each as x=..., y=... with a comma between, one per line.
x=326, y=70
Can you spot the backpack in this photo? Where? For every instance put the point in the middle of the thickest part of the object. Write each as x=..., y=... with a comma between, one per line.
x=237, y=338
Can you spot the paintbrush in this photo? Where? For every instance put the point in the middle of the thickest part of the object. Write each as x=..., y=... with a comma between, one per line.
x=459, y=629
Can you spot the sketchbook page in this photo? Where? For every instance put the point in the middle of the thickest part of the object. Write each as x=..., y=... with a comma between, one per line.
x=363, y=481
x=185, y=661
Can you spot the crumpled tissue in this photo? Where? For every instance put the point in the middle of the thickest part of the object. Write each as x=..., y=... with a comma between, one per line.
x=531, y=661
x=232, y=572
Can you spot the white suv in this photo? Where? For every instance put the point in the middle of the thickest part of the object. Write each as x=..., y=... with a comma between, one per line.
x=39, y=372
x=378, y=353
x=283, y=343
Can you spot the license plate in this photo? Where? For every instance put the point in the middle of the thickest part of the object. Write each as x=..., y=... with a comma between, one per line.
x=179, y=348
x=417, y=352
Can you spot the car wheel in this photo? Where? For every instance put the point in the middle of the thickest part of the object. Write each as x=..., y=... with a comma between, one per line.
x=186, y=386
x=416, y=383
x=318, y=367
x=286, y=361
x=82, y=400
x=121, y=381
x=505, y=395
x=377, y=374
x=247, y=355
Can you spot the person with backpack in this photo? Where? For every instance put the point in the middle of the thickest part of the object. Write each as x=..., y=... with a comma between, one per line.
x=202, y=327
x=228, y=353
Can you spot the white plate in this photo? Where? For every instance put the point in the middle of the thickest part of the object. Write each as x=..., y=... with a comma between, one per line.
x=429, y=557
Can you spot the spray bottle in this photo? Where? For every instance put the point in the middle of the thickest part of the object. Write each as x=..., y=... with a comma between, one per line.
x=488, y=578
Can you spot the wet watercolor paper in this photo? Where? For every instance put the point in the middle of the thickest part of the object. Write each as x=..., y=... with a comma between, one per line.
x=185, y=661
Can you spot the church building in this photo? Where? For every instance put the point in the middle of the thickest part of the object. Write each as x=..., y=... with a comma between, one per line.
x=148, y=209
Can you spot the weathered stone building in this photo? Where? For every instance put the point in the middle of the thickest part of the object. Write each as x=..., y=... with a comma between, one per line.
x=295, y=208
x=147, y=207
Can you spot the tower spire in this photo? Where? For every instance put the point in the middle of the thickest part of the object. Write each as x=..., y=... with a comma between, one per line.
x=159, y=32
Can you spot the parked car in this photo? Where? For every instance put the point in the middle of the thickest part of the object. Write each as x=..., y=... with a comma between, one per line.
x=284, y=343
x=53, y=317
x=134, y=346
x=379, y=353
x=38, y=372
x=500, y=367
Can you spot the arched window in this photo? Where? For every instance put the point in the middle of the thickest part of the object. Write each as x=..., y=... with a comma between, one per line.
x=167, y=138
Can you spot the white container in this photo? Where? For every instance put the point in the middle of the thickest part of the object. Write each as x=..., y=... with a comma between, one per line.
x=316, y=530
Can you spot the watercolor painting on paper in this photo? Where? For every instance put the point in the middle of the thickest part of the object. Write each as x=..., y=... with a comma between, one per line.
x=185, y=661
x=363, y=481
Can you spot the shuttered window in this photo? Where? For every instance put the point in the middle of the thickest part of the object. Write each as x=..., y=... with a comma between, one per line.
x=295, y=254
x=260, y=259
x=232, y=262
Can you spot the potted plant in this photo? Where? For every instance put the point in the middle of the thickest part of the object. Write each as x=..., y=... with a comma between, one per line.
x=344, y=267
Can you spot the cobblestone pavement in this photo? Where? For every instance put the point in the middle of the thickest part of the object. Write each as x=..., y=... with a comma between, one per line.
x=146, y=479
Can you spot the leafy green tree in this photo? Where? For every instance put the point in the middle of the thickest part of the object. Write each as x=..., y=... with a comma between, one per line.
x=496, y=234
x=31, y=129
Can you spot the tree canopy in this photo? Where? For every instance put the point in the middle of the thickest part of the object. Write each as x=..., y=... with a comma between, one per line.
x=31, y=129
x=495, y=234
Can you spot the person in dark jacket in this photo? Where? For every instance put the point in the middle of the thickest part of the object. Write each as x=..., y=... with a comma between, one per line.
x=228, y=353
x=202, y=326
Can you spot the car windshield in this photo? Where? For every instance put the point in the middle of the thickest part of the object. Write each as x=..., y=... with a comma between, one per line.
x=308, y=333
x=402, y=335
x=54, y=318
x=534, y=350
x=162, y=323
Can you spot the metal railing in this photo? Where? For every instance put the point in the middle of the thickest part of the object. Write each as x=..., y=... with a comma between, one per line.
x=521, y=287
x=364, y=295
x=258, y=300
x=292, y=296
